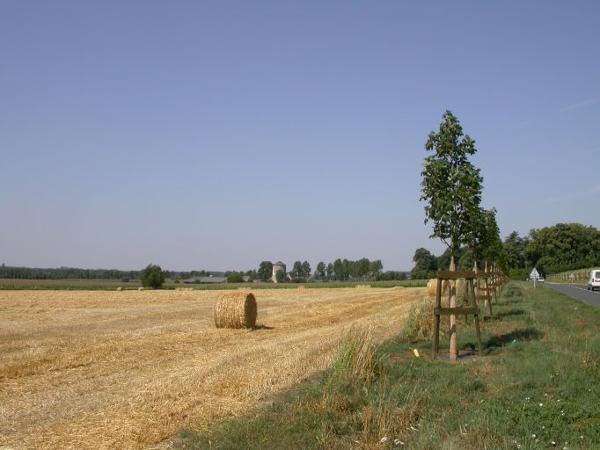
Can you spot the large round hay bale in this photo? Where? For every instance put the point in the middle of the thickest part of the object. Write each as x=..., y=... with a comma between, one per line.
x=432, y=287
x=235, y=310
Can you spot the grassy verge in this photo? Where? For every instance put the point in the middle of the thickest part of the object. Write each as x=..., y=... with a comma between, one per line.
x=16, y=284
x=537, y=388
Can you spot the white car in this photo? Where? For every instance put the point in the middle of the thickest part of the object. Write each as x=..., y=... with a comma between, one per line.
x=594, y=281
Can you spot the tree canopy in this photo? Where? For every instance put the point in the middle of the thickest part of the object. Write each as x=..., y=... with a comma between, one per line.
x=451, y=184
x=152, y=276
x=564, y=246
x=426, y=264
x=265, y=271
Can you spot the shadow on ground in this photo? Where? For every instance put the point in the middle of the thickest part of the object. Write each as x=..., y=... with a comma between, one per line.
x=510, y=313
x=525, y=334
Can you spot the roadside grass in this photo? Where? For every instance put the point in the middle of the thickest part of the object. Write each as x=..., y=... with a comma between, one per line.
x=537, y=387
x=77, y=284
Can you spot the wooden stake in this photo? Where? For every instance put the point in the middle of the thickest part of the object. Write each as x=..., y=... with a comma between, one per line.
x=471, y=289
x=436, y=319
x=452, y=332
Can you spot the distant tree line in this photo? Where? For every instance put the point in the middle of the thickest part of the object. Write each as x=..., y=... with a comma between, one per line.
x=74, y=273
x=558, y=248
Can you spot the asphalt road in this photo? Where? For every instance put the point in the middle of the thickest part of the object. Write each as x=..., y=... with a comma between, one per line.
x=577, y=292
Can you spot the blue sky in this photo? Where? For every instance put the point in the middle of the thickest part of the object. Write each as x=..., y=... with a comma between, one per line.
x=219, y=134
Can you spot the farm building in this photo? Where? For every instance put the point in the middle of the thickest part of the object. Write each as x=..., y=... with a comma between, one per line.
x=278, y=267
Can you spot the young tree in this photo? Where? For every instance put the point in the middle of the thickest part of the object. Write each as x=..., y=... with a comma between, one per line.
x=492, y=248
x=330, y=271
x=338, y=269
x=375, y=268
x=320, y=271
x=514, y=248
x=152, y=276
x=305, y=270
x=297, y=271
x=280, y=276
x=451, y=185
x=451, y=189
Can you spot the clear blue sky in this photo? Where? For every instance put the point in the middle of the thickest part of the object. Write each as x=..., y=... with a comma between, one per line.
x=219, y=134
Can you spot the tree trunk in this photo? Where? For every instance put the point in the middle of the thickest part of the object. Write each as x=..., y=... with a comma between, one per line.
x=452, y=333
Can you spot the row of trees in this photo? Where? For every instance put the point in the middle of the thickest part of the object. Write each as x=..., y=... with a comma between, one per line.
x=557, y=248
x=452, y=189
x=362, y=269
x=74, y=273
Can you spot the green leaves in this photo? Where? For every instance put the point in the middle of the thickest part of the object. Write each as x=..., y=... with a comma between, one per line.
x=152, y=276
x=451, y=185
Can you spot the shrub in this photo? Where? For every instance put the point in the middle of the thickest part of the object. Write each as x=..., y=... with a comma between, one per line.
x=152, y=276
x=235, y=277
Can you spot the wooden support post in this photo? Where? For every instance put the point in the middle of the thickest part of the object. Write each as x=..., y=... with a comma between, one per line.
x=436, y=319
x=471, y=288
x=453, y=351
x=469, y=306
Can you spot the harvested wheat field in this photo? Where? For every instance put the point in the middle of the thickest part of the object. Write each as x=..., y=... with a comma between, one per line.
x=90, y=369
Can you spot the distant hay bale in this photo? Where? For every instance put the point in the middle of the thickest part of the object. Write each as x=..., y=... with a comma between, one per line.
x=235, y=310
x=119, y=288
x=461, y=287
x=432, y=287
x=140, y=289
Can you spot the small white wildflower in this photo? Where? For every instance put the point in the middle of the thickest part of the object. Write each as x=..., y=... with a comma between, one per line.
x=541, y=404
x=553, y=443
x=383, y=440
x=533, y=436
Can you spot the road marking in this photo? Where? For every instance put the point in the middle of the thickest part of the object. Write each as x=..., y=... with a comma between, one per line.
x=576, y=287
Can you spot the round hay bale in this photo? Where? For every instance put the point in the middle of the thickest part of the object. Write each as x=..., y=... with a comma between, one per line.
x=140, y=289
x=119, y=288
x=432, y=287
x=235, y=310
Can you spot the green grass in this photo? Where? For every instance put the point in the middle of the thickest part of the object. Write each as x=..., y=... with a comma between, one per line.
x=16, y=284
x=538, y=387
